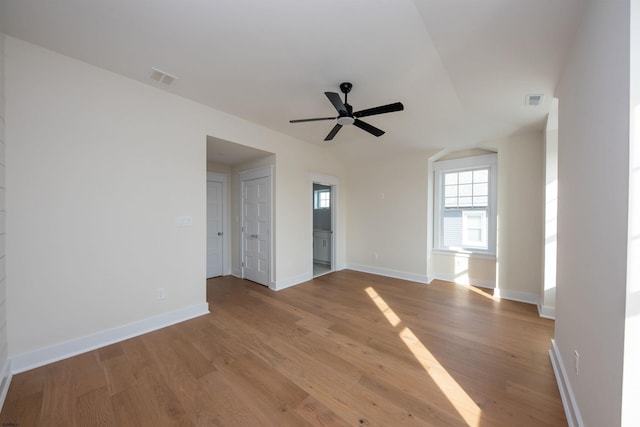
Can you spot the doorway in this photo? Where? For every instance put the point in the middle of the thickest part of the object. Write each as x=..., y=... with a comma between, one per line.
x=323, y=201
x=216, y=224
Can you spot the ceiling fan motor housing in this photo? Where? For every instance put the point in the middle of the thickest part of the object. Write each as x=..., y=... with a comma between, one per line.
x=346, y=120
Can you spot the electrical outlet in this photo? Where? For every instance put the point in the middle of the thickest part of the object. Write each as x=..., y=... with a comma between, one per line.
x=576, y=360
x=160, y=293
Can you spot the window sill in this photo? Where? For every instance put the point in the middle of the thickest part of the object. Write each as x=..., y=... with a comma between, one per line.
x=465, y=254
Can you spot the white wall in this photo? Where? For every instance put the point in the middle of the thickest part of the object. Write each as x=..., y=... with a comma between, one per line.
x=218, y=168
x=516, y=271
x=100, y=166
x=388, y=216
x=465, y=269
x=593, y=160
x=520, y=215
x=3, y=282
x=293, y=209
x=631, y=373
x=547, y=305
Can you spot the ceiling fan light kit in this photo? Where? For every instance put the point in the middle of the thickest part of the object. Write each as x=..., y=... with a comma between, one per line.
x=346, y=116
x=345, y=120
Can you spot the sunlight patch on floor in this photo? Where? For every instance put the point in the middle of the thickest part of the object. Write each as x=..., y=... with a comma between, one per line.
x=483, y=293
x=459, y=399
x=383, y=307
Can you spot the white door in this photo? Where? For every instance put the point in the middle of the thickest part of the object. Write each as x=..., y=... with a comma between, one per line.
x=214, y=229
x=255, y=222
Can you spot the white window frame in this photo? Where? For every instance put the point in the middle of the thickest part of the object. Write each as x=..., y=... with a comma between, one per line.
x=317, y=195
x=488, y=161
x=466, y=241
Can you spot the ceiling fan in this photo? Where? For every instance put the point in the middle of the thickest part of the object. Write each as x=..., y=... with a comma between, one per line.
x=346, y=116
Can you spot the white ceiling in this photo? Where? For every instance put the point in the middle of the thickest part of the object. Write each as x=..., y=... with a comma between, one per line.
x=462, y=68
x=231, y=153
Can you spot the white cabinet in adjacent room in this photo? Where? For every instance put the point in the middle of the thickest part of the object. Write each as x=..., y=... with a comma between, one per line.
x=322, y=246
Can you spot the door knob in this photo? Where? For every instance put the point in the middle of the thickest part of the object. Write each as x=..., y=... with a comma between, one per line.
x=219, y=233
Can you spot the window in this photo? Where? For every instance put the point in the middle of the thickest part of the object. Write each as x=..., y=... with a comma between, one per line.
x=465, y=204
x=322, y=199
x=474, y=229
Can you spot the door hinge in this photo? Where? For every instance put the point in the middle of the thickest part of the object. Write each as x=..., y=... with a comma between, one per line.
x=242, y=263
x=242, y=229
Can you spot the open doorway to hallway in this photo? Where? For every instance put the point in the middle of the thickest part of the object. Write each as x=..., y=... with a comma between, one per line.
x=230, y=167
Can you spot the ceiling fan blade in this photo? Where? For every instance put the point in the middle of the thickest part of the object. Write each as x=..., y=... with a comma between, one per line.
x=311, y=120
x=389, y=108
x=336, y=101
x=333, y=132
x=367, y=127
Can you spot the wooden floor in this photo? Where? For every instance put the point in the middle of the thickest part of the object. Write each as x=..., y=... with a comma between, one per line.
x=347, y=348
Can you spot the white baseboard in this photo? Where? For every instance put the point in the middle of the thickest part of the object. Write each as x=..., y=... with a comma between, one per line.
x=519, y=296
x=566, y=393
x=5, y=381
x=24, y=362
x=547, y=312
x=287, y=283
x=527, y=297
x=471, y=281
x=389, y=273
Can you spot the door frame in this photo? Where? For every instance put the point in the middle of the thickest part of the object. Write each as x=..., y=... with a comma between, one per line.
x=226, y=236
x=331, y=181
x=249, y=175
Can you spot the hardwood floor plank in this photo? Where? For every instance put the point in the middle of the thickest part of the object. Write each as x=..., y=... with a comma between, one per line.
x=139, y=356
x=94, y=409
x=415, y=406
x=337, y=390
x=196, y=363
x=59, y=395
x=120, y=374
x=110, y=351
x=24, y=411
x=88, y=373
x=26, y=384
x=136, y=406
x=221, y=349
x=411, y=378
x=269, y=393
x=229, y=408
x=170, y=410
x=317, y=414
x=347, y=348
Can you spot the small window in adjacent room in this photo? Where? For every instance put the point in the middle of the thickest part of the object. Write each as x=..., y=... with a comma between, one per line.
x=465, y=204
x=322, y=199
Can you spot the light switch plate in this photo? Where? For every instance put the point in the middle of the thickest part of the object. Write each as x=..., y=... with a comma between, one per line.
x=184, y=221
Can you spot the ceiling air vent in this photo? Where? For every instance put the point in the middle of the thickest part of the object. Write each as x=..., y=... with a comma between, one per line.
x=161, y=76
x=534, y=100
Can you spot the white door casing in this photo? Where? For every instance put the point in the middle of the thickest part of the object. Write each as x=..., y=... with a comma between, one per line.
x=333, y=182
x=215, y=229
x=256, y=221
